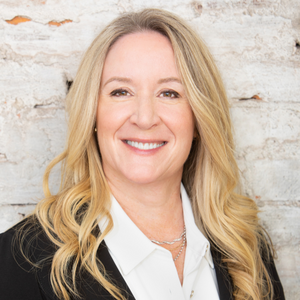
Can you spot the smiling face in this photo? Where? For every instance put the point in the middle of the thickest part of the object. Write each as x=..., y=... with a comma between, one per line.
x=145, y=124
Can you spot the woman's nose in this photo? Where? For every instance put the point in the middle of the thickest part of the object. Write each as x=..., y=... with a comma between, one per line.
x=145, y=114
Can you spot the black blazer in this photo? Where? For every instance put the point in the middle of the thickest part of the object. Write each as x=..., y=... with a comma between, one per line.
x=20, y=281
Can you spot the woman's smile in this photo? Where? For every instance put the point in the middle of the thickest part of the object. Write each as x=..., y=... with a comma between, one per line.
x=145, y=146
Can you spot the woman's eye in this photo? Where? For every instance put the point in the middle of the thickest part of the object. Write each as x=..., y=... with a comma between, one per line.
x=170, y=94
x=119, y=93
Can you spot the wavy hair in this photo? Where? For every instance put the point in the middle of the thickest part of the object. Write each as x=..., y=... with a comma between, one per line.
x=210, y=175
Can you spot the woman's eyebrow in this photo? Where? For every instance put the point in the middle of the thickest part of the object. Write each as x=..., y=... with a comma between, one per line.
x=120, y=79
x=125, y=79
x=169, y=79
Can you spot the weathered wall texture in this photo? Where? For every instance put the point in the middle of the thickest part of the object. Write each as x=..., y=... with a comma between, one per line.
x=256, y=44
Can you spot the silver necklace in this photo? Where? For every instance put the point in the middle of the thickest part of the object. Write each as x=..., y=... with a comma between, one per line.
x=181, y=249
x=182, y=236
x=171, y=242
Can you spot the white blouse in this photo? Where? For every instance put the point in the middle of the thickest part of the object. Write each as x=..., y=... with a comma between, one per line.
x=149, y=270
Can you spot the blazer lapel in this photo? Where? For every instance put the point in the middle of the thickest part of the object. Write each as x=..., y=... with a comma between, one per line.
x=88, y=287
x=113, y=272
x=223, y=278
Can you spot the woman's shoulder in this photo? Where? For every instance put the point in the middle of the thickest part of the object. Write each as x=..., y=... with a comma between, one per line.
x=21, y=248
x=25, y=243
x=17, y=234
x=28, y=225
x=268, y=255
x=28, y=222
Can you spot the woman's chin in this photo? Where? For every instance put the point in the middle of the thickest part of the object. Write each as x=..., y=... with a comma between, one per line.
x=142, y=176
x=142, y=179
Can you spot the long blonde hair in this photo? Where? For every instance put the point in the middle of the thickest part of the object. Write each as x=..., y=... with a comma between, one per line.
x=210, y=174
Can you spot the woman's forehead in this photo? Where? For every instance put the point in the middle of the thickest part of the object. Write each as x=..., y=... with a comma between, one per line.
x=139, y=55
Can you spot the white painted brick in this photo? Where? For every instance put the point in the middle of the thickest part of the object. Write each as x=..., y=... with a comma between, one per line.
x=256, y=122
x=28, y=148
x=271, y=179
x=31, y=85
x=272, y=82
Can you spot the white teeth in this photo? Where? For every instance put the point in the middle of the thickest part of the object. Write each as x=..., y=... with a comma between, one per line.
x=145, y=146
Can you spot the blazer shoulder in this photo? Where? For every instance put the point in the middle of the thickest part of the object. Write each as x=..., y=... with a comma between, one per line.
x=269, y=263
x=225, y=281
x=27, y=242
x=22, y=247
x=17, y=275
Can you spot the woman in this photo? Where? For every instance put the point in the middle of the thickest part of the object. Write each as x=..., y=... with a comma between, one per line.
x=147, y=111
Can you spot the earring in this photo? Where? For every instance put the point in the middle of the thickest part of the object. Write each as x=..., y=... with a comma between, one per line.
x=95, y=129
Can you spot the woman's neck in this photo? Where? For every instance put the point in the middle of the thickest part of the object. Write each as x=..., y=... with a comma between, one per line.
x=155, y=208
